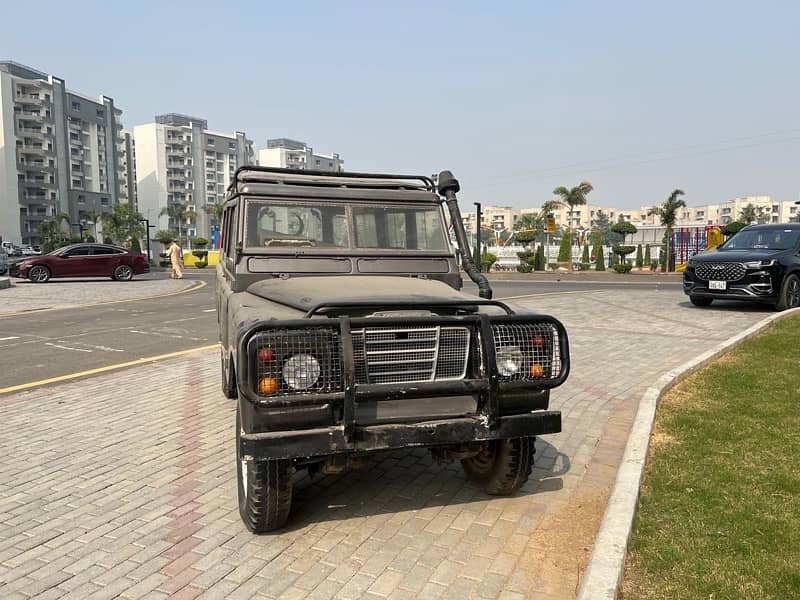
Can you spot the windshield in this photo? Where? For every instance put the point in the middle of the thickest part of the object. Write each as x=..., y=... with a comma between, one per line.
x=321, y=225
x=769, y=239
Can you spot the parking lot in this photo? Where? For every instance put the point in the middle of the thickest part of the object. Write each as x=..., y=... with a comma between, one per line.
x=124, y=483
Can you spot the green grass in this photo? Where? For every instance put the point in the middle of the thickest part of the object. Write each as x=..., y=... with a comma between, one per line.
x=719, y=513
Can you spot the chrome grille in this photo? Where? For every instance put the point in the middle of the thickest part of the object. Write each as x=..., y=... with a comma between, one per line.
x=720, y=271
x=536, y=343
x=410, y=354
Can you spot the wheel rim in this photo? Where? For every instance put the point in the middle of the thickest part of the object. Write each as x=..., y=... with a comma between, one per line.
x=123, y=272
x=38, y=274
x=793, y=293
x=484, y=460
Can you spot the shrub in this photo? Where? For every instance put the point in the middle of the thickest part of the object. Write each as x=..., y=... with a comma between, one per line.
x=107, y=240
x=136, y=246
x=201, y=264
x=622, y=267
x=585, y=256
x=622, y=249
x=487, y=260
x=639, y=259
x=526, y=268
x=733, y=227
x=200, y=254
x=653, y=265
x=200, y=242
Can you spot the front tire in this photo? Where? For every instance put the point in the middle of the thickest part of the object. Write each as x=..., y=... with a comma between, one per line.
x=123, y=273
x=790, y=293
x=39, y=274
x=700, y=300
x=502, y=466
x=265, y=489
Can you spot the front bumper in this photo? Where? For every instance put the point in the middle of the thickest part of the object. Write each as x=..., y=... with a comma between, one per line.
x=755, y=286
x=332, y=440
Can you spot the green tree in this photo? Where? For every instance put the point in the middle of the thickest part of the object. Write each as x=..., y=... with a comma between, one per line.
x=539, y=261
x=179, y=213
x=585, y=256
x=753, y=214
x=597, y=251
x=122, y=224
x=647, y=258
x=136, y=246
x=565, y=249
x=164, y=236
x=639, y=259
x=54, y=232
x=573, y=197
x=667, y=211
x=624, y=228
x=733, y=227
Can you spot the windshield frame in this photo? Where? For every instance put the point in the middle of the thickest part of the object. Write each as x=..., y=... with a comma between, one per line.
x=351, y=250
x=726, y=246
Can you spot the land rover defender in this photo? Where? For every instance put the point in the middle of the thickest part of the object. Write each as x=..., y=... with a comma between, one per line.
x=344, y=331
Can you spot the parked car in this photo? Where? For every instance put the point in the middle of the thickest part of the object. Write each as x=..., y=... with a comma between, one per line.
x=761, y=263
x=3, y=262
x=83, y=260
x=344, y=332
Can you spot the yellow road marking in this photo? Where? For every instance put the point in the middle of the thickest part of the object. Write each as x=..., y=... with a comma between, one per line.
x=549, y=294
x=130, y=363
x=195, y=286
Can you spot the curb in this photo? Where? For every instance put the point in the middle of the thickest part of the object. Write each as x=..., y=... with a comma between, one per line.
x=5, y=282
x=603, y=575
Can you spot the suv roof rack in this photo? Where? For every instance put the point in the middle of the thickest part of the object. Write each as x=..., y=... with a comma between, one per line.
x=275, y=175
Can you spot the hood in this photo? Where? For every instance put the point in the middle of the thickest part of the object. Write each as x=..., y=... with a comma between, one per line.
x=738, y=255
x=304, y=293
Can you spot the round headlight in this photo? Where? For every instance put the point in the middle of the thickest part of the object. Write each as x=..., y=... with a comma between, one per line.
x=509, y=361
x=301, y=371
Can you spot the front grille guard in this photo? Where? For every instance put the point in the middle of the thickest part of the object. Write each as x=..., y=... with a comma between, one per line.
x=483, y=378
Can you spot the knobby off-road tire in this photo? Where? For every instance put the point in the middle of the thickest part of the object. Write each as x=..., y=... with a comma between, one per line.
x=700, y=301
x=502, y=466
x=265, y=490
x=228, y=378
x=790, y=293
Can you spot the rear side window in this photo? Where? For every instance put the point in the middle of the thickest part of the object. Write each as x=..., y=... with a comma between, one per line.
x=105, y=251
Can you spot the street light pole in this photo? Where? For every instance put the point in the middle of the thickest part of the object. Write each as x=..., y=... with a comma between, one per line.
x=477, y=256
x=147, y=236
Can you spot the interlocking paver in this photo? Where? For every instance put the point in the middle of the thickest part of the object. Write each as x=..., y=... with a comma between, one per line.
x=125, y=483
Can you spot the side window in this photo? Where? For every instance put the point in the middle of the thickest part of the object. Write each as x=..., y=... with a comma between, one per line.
x=99, y=250
x=229, y=231
x=84, y=251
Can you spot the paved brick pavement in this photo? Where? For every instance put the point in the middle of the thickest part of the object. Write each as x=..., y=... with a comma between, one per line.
x=62, y=293
x=124, y=485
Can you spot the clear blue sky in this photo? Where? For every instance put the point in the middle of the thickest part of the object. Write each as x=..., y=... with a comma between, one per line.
x=515, y=98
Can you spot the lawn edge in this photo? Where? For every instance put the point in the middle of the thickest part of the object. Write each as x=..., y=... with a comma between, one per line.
x=602, y=578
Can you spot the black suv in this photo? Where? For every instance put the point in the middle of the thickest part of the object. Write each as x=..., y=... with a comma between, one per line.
x=761, y=263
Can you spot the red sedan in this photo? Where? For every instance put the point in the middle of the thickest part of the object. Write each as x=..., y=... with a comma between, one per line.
x=83, y=260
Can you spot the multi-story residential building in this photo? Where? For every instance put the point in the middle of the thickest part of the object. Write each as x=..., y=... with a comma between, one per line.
x=180, y=162
x=291, y=154
x=127, y=166
x=59, y=153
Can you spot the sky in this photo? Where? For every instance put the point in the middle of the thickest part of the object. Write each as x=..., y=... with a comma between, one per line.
x=516, y=98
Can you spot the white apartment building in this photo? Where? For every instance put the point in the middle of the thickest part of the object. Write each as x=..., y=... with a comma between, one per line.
x=292, y=154
x=180, y=161
x=127, y=165
x=59, y=153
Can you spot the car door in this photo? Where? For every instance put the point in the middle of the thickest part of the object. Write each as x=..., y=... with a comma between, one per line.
x=71, y=263
x=103, y=260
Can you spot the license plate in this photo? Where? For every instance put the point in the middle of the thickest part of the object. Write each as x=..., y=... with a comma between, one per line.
x=717, y=285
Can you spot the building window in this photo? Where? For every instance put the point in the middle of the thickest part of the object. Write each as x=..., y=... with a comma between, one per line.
x=100, y=113
x=81, y=200
x=210, y=141
x=76, y=105
x=104, y=201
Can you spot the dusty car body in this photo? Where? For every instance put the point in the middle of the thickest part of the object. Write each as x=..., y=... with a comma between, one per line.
x=344, y=331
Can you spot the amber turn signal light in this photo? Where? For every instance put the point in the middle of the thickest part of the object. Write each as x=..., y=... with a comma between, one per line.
x=267, y=386
x=537, y=371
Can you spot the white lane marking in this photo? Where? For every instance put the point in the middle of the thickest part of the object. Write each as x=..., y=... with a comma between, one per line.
x=170, y=335
x=103, y=348
x=11, y=337
x=211, y=310
x=66, y=347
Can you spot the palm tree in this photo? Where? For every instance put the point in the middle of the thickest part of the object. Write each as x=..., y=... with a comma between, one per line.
x=668, y=213
x=752, y=214
x=180, y=214
x=573, y=197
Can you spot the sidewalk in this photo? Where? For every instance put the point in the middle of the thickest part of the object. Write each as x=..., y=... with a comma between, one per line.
x=24, y=295
x=124, y=484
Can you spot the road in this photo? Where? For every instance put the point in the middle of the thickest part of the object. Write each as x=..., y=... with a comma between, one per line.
x=47, y=345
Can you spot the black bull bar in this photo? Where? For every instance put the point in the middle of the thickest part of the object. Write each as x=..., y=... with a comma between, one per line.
x=487, y=383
